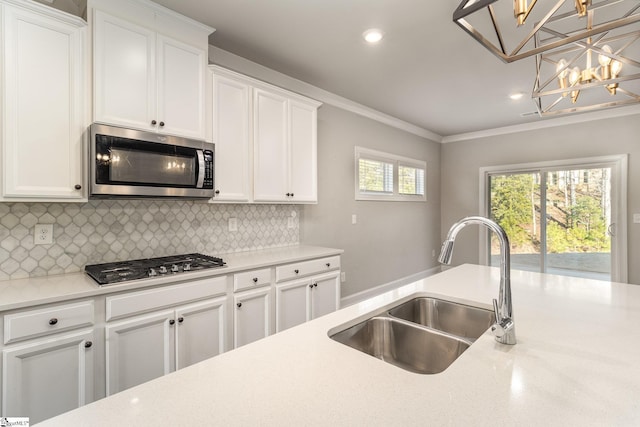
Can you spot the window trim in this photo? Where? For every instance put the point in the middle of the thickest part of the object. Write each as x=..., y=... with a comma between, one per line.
x=396, y=160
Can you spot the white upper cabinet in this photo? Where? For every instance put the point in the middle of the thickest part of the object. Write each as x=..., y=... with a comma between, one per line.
x=285, y=146
x=149, y=67
x=42, y=93
x=231, y=135
x=271, y=166
x=266, y=141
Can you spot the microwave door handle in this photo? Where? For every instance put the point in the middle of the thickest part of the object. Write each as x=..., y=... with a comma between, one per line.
x=201, y=170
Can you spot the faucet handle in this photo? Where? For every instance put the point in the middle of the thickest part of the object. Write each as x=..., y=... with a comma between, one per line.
x=502, y=325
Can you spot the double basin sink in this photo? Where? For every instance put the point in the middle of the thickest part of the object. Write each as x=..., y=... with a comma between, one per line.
x=423, y=335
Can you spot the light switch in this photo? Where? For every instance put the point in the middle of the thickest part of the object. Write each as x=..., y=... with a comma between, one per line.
x=233, y=224
x=354, y=219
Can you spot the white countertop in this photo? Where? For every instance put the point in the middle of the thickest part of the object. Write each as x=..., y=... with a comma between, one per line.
x=577, y=362
x=22, y=293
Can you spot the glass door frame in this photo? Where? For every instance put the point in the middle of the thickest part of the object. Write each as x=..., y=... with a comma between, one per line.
x=618, y=165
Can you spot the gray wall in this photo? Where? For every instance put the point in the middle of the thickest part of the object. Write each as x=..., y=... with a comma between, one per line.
x=391, y=240
x=461, y=161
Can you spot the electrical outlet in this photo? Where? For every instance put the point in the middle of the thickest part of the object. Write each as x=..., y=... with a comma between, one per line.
x=636, y=218
x=290, y=223
x=433, y=253
x=233, y=224
x=43, y=234
x=354, y=219
x=343, y=277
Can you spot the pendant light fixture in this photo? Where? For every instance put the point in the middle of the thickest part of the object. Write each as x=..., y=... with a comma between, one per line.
x=587, y=52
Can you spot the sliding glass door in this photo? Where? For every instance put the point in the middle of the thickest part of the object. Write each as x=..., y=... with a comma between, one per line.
x=560, y=219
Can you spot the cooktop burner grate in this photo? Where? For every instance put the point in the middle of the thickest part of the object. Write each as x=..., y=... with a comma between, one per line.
x=120, y=271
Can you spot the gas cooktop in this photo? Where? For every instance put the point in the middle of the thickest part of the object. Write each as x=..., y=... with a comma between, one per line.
x=121, y=271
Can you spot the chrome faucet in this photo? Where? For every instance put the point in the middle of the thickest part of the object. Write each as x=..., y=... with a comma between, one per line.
x=504, y=329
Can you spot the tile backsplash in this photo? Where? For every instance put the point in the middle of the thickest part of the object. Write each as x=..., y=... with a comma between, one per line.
x=113, y=230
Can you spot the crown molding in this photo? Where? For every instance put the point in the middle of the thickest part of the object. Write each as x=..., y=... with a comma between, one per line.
x=548, y=123
x=244, y=66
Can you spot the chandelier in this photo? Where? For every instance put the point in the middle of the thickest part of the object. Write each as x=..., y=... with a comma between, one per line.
x=587, y=52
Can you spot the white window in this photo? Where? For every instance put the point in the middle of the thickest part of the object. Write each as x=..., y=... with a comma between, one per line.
x=384, y=176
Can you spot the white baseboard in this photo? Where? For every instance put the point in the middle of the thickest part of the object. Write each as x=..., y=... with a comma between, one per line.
x=372, y=292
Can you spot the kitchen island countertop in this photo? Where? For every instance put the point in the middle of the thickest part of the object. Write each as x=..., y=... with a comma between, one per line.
x=575, y=363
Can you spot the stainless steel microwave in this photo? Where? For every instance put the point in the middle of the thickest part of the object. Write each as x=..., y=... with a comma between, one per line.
x=137, y=164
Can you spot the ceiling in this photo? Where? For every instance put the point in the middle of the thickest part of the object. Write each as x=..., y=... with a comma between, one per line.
x=426, y=70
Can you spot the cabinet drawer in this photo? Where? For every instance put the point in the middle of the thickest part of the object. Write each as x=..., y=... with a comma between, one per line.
x=307, y=268
x=33, y=323
x=251, y=279
x=139, y=302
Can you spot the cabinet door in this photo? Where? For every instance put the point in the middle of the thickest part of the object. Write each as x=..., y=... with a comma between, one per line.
x=251, y=316
x=124, y=73
x=200, y=332
x=325, y=297
x=293, y=304
x=231, y=136
x=43, y=115
x=139, y=350
x=303, y=151
x=271, y=159
x=181, y=88
x=48, y=377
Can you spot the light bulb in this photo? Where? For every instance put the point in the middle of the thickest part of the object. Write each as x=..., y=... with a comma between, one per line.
x=616, y=67
x=605, y=60
x=574, y=76
x=562, y=69
x=372, y=36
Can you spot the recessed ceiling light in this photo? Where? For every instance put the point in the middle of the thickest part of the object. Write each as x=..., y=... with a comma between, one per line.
x=372, y=35
x=517, y=95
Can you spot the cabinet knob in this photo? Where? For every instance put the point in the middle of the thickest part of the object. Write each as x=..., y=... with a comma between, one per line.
x=291, y=194
x=180, y=319
x=296, y=271
x=172, y=322
x=311, y=285
x=161, y=124
x=255, y=280
x=88, y=344
x=53, y=321
x=217, y=191
x=153, y=122
x=315, y=285
x=239, y=304
x=288, y=194
x=78, y=187
x=328, y=264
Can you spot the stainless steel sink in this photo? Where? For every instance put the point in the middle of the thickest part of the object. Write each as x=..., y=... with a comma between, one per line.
x=406, y=346
x=423, y=335
x=456, y=319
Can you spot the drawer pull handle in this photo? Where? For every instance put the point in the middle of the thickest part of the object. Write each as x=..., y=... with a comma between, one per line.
x=239, y=304
x=88, y=344
x=53, y=321
x=172, y=322
x=255, y=280
x=296, y=271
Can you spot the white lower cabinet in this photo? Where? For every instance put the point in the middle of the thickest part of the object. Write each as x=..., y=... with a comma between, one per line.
x=46, y=377
x=138, y=350
x=151, y=333
x=149, y=346
x=251, y=316
x=299, y=301
x=201, y=331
